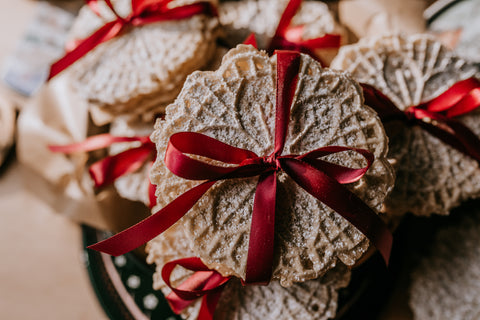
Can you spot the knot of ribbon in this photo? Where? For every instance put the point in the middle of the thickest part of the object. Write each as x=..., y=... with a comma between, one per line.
x=105, y=171
x=143, y=12
x=436, y=116
x=204, y=283
x=323, y=180
x=291, y=38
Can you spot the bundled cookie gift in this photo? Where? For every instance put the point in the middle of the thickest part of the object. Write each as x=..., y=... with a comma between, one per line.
x=305, y=26
x=268, y=170
x=428, y=99
x=132, y=56
x=446, y=282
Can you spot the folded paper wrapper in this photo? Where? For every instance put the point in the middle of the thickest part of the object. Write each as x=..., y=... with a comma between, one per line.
x=56, y=116
x=367, y=18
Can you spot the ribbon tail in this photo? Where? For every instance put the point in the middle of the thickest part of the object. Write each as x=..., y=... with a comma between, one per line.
x=209, y=304
x=194, y=282
x=109, y=169
x=97, y=142
x=149, y=228
x=342, y=201
x=468, y=103
x=261, y=242
x=105, y=33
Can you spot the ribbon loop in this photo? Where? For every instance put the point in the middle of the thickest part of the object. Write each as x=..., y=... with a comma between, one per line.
x=290, y=38
x=437, y=115
x=204, y=283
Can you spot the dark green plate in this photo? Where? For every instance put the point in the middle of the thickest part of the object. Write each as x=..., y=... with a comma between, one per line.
x=123, y=284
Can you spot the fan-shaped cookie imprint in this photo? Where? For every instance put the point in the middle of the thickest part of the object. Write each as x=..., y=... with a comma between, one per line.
x=446, y=283
x=133, y=186
x=240, y=18
x=144, y=68
x=314, y=299
x=431, y=177
x=236, y=105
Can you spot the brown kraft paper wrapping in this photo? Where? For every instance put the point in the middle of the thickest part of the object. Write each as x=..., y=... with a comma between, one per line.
x=56, y=116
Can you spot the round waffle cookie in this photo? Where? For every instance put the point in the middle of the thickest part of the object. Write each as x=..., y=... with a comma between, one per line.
x=7, y=128
x=143, y=69
x=314, y=299
x=431, y=176
x=240, y=18
x=133, y=186
x=236, y=105
x=446, y=283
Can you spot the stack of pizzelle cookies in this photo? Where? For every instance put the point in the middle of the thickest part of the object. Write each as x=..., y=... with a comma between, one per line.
x=314, y=245
x=431, y=176
x=143, y=69
x=241, y=18
x=446, y=282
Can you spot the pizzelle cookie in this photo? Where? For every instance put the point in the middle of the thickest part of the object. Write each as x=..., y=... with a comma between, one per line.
x=446, y=283
x=133, y=186
x=143, y=69
x=314, y=299
x=431, y=176
x=235, y=105
x=240, y=18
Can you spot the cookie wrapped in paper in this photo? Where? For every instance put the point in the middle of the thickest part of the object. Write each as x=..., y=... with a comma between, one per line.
x=136, y=185
x=56, y=116
x=431, y=119
x=306, y=26
x=314, y=299
x=136, y=54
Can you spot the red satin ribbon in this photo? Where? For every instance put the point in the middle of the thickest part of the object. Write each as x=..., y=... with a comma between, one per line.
x=105, y=171
x=143, y=12
x=437, y=115
x=290, y=38
x=321, y=179
x=204, y=283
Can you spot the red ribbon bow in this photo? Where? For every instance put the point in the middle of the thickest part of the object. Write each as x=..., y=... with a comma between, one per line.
x=321, y=179
x=290, y=38
x=143, y=12
x=105, y=171
x=204, y=283
x=437, y=115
